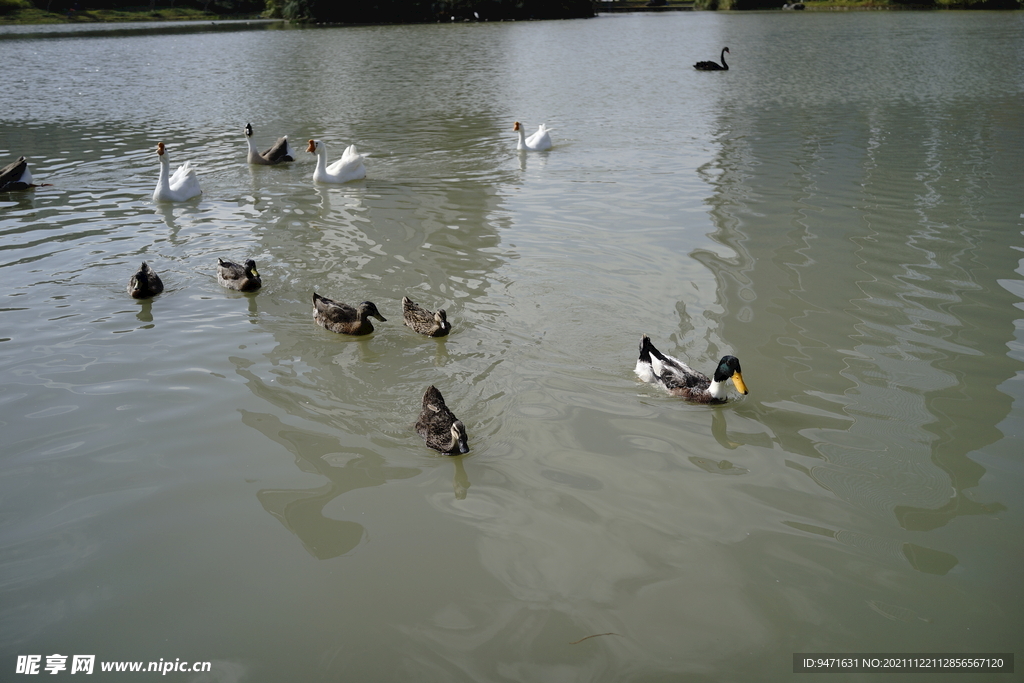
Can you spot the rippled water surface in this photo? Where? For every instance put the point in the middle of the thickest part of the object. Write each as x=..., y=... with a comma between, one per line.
x=209, y=476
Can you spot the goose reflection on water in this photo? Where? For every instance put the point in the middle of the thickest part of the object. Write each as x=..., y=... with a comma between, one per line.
x=346, y=468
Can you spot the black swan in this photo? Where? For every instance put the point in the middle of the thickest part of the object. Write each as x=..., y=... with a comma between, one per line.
x=712, y=66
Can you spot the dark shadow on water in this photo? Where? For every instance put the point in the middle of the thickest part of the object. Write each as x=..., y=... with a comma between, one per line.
x=301, y=511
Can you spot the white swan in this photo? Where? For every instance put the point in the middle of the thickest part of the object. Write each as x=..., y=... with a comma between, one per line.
x=349, y=167
x=281, y=151
x=538, y=142
x=179, y=187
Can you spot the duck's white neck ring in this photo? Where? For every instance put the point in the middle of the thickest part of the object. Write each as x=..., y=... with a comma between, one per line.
x=718, y=390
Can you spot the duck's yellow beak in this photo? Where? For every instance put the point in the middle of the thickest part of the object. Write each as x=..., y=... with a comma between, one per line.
x=737, y=379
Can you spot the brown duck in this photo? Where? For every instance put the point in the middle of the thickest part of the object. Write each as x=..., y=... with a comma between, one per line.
x=342, y=318
x=145, y=284
x=423, y=321
x=439, y=427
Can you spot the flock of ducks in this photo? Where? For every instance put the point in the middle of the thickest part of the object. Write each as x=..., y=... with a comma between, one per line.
x=437, y=425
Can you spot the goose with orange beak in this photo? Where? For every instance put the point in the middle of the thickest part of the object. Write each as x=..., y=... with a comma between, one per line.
x=538, y=142
x=350, y=167
x=181, y=186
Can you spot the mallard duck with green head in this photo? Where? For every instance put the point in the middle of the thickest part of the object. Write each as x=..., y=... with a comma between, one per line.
x=679, y=379
x=242, y=278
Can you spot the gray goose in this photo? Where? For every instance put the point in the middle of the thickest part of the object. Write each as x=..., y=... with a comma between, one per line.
x=277, y=154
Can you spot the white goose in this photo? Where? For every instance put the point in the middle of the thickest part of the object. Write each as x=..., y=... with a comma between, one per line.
x=281, y=151
x=538, y=142
x=179, y=187
x=350, y=167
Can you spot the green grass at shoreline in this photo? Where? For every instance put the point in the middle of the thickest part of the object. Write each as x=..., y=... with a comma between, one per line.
x=90, y=16
x=34, y=15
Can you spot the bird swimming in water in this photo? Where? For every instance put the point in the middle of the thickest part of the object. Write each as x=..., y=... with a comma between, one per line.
x=179, y=187
x=243, y=278
x=342, y=318
x=423, y=321
x=145, y=283
x=277, y=154
x=439, y=427
x=713, y=66
x=679, y=379
x=16, y=176
x=538, y=142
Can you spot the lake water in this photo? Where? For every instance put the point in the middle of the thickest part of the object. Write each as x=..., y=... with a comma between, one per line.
x=210, y=477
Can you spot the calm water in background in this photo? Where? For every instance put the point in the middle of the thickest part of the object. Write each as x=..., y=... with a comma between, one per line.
x=208, y=476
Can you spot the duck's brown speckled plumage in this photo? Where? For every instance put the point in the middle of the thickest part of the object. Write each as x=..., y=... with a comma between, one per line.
x=243, y=278
x=342, y=318
x=145, y=283
x=423, y=321
x=439, y=427
x=679, y=379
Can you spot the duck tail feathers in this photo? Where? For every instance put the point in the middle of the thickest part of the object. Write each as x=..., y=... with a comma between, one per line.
x=647, y=350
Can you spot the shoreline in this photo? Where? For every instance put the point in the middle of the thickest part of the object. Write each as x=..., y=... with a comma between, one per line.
x=38, y=17
x=34, y=16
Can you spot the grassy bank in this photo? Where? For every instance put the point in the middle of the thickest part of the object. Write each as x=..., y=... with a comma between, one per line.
x=23, y=12
x=33, y=15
